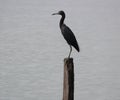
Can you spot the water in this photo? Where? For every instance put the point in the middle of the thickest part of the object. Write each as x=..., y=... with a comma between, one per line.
x=32, y=49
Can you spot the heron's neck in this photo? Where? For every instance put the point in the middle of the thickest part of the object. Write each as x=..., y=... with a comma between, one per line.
x=62, y=20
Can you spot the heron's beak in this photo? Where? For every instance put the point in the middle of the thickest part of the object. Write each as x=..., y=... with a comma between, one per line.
x=55, y=14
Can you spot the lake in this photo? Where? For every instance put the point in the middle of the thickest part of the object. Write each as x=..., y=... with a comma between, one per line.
x=32, y=49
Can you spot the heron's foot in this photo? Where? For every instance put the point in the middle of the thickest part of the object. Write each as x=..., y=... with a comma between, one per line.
x=68, y=57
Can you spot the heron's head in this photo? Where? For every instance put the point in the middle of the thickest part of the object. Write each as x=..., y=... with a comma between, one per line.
x=59, y=13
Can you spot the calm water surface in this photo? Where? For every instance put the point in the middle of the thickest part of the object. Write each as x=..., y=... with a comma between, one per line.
x=32, y=49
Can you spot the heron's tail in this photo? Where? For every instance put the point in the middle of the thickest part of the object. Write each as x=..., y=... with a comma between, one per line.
x=77, y=47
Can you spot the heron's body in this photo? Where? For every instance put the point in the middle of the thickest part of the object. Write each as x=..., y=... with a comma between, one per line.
x=69, y=36
x=67, y=33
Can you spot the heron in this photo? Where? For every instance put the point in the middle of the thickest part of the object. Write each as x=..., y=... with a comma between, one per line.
x=67, y=33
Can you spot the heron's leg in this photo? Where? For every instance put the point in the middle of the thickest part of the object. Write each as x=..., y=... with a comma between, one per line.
x=70, y=51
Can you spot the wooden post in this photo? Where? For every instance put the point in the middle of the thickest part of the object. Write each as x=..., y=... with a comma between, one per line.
x=68, y=88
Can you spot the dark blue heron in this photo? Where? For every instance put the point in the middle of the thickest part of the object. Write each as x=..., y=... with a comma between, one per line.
x=67, y=33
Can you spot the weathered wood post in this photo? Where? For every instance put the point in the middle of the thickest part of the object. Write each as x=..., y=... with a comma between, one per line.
x=68, y=84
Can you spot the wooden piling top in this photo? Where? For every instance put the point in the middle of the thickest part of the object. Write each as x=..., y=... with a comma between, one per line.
x=68, y=60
